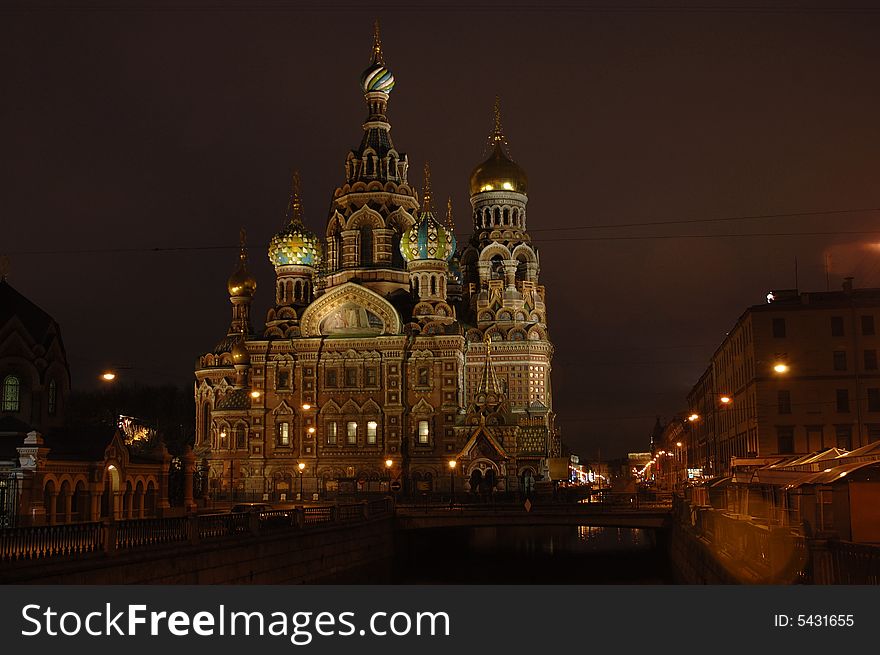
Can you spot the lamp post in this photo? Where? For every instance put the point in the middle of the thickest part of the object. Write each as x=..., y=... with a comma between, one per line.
x=302, y=467
x=452, y=464
x=388, y=464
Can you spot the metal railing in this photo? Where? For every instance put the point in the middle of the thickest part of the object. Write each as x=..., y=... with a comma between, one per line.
x=107, y=537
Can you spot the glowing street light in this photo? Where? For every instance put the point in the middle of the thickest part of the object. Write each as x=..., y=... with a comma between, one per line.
x=781, y=367
x=302, y=467
x=306, y=407
x=108, y=376
x=388, y=463
x=452, y=464
x=726, y=399
x=694, y=417
x=678, y=444
x=311, y=430
x=255, y=394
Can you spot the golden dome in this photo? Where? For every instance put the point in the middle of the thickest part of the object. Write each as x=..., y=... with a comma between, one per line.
x=498, y=173
x=240, y=354
x=241, y=283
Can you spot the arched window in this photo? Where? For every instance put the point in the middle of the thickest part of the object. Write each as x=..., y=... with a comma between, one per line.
x=424, y=432
x=372, y=430
x=52, y=398
x=11, y=393
x=366, y=246
x=240, y=440
x=433, y=285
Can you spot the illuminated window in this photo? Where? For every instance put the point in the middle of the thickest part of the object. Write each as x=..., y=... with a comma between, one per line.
x=284, y=434
x=351, y=432
x=371, y=431
x=424, y=432
x=224, y=439
x=331, y=433
x=53, y=398
x=11, y=393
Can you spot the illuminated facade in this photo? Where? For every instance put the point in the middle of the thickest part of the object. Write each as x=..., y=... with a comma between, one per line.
x=387, y=341
x=800, y=374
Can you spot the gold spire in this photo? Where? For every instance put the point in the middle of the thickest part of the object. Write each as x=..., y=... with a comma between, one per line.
x=497, y=131
x=426, y=204
x=450, y=224
x=241, y=282
x=377, y=57
x=294, y=206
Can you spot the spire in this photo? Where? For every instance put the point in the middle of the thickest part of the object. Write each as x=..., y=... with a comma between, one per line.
x=426, y=203
x=241, y=283
x=242, y=248
x=450, y=224
x=497, y=136
x=294, y=205
x=377, y=57
x=489, y=383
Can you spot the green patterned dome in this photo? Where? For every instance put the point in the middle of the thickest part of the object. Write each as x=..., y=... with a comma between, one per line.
x=294, y=244
x=427, y=239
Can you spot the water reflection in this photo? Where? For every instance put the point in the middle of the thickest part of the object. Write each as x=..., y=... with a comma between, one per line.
x=529, y=555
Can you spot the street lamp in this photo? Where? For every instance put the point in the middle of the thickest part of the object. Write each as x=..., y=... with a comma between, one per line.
x=108, y=376
x=302, y=467
x=452, y=464
x=781, y=367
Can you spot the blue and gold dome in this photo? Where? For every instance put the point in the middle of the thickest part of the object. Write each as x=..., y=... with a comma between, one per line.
x=294, y=244
x=377, y=76
x=427, y=239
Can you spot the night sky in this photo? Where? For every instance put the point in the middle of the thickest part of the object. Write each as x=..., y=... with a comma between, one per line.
x=171, y=128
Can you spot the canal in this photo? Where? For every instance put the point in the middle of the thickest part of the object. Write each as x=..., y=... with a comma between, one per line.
x=522, y=555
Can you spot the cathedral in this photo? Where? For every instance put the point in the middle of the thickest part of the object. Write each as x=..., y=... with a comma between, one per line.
x=394, y=357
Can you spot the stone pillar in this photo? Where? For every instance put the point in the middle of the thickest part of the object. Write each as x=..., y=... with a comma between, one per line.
x=68, y=507
x=382, y=243
x=51, y=512
x=350, y=248
x=485, y=273
x=510, y=266
x=162, y=501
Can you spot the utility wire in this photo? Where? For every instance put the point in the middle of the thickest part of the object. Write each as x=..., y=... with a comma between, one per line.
x=686, y=221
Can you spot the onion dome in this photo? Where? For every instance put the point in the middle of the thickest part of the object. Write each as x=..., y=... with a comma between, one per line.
x=427, y=238
x=499, y=172
x=377, y=76
x=294, y=244
x=240, y=354
x=241, y=283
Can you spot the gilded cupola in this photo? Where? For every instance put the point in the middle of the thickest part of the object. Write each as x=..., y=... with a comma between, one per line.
x=499, y=172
